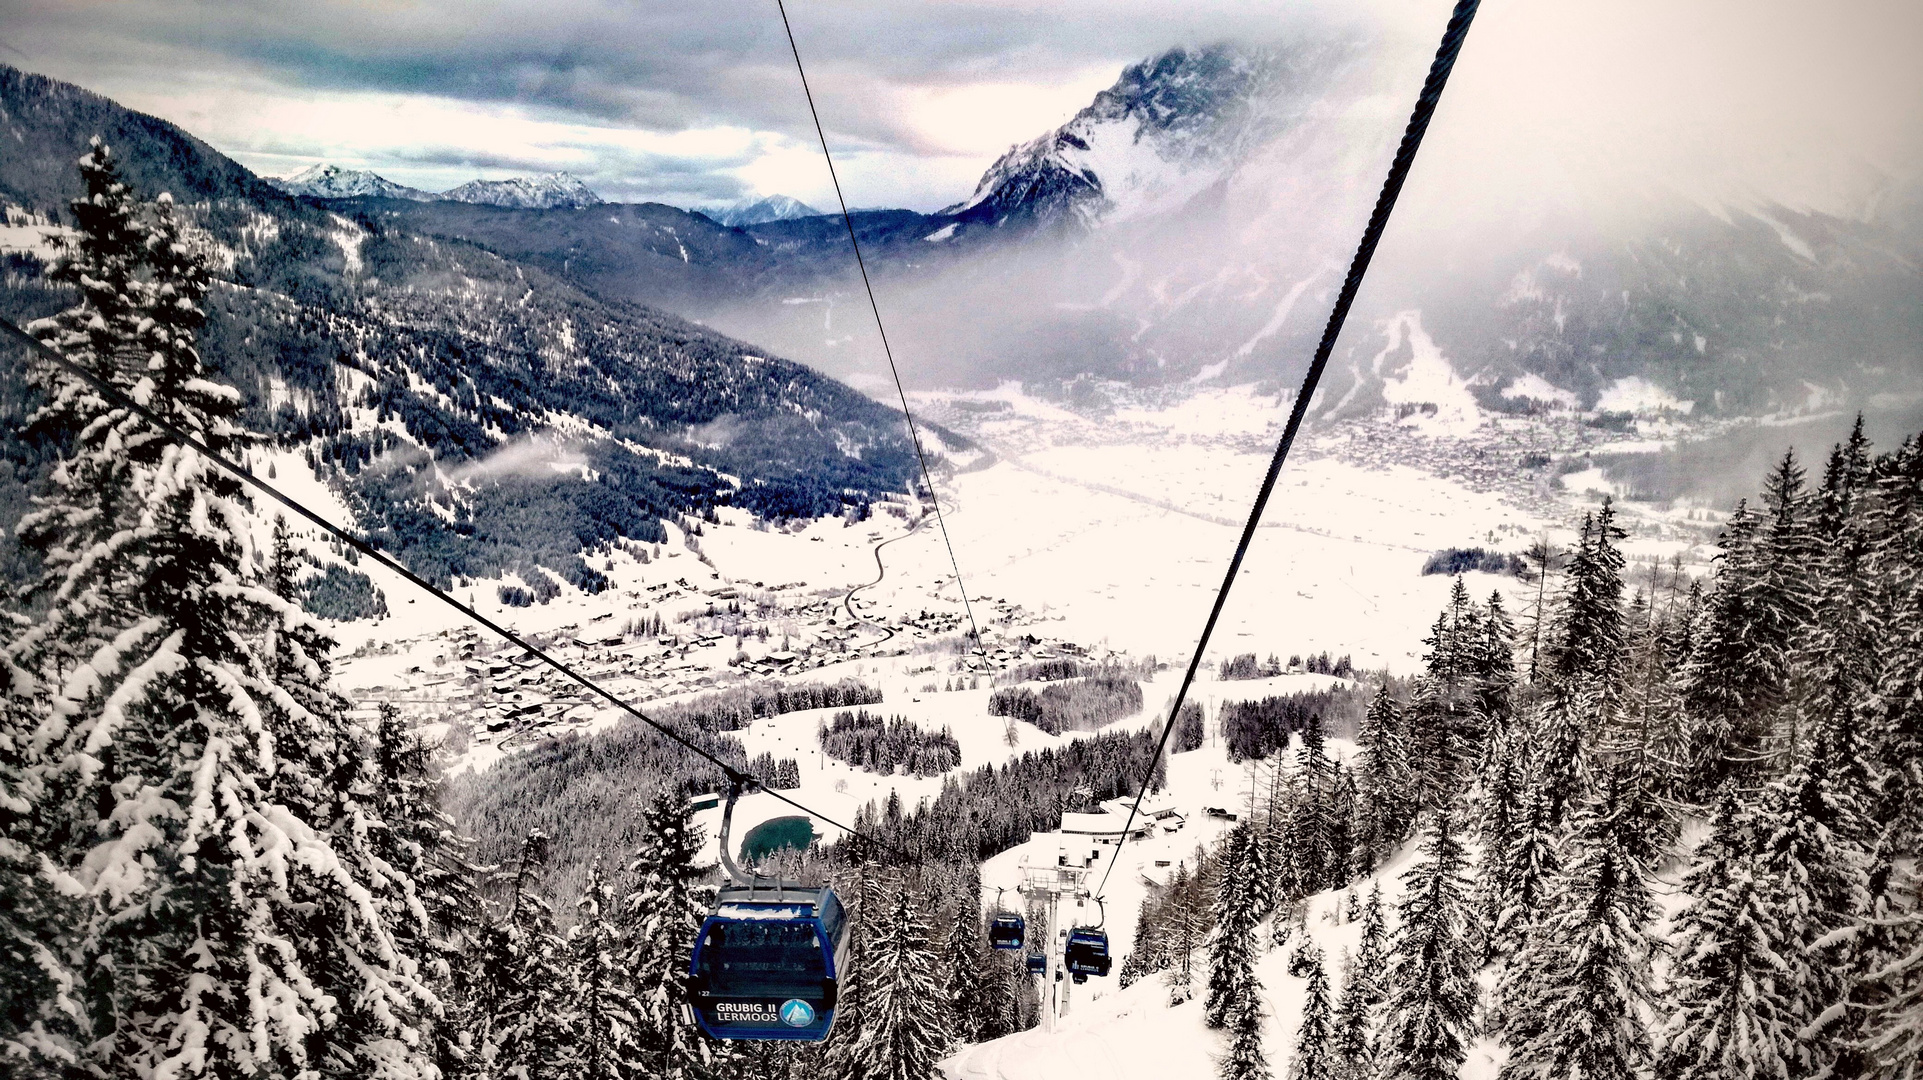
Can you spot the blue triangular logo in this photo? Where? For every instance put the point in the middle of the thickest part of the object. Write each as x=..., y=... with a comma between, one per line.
x=797, y=1013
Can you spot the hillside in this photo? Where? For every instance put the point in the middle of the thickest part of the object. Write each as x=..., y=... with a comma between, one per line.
x=479, y=414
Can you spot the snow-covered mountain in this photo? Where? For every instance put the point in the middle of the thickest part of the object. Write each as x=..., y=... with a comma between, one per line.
x=554, y=191
x=1170, y=128
x=747, y=212
x=324, y=181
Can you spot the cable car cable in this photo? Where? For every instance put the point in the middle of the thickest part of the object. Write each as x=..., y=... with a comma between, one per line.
x=849, y=220
x=1445, y=61
x=121, y=399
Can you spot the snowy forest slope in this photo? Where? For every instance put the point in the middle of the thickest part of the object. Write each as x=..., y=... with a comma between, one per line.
x=435, y=381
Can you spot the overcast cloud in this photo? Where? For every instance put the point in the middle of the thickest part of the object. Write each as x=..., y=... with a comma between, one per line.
x=698, y=103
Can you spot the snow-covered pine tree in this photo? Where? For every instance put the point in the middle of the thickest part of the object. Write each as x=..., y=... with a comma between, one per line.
x=1731, y=681
x=1577, y=1001
x=1232, y=950
x=1310, y=850
x=1245, y=1059
x=1314, y=1056
x=606, y=1045
x=1896, y=561
x=1184, y=935
x=1529, y=876
x=904, y=1028
x=999, y=1003
x=1889, y=993
x=1492, y=670
x=39, y=1012
x=1731, y=1019
x=660, y=918
x=1432, y=990
x=1385, y=796
x=1352, y=1038
x=1497, y=829
x=962, y=963
x=435, y=920
x=529, y=1017
x=1588, y=642
x=90, y=493
x=1815, y=862
x=1561, y=739
x=181, y=824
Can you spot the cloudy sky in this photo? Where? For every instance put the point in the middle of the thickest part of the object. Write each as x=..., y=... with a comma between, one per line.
x=698, y=103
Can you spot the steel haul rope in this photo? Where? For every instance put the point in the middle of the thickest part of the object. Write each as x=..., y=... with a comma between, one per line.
x=1445, y=61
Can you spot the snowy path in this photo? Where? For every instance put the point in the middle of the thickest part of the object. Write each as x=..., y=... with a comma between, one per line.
x=881, y=571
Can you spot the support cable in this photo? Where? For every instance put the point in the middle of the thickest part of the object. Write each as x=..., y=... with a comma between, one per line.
x=849, y=220
x=737, y=777
x=1445, y=61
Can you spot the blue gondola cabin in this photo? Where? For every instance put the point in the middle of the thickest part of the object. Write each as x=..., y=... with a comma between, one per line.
x=1006, y=931
x=767, y=964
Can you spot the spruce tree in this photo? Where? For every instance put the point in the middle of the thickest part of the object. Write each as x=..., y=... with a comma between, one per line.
x=1497, y=829
x=903, y=1023
x=1314, y=1057
x=1385, y=796
x=1237, y=911
x=1352, y=1040
x=1733, y=680
x=1731, y=1018
x=1589, y=638
x=235, y=919
x=528, y=1023
x=1529, y=876
x=1888, y=998
x=962, y=960
x=1578, y=999
x=1245, y=1059
x=661, y=917
x=605, y=1030
x=1814, y=860
x=1432, y=989
x=1184, y=935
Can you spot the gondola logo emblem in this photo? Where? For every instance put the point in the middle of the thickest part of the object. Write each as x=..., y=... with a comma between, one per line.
x=797, y=1013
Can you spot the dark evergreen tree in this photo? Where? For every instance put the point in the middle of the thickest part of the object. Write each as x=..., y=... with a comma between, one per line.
x=1729, y=976
x=1577, y=1001
x=1432, y=988
x=1232, y=951
x=964, y=967
x=1352, y=1040
x=1589, y=638
x=1314, y=1057
x=1385, y=795
x=605, y=1030
x=1813, y=858
x=660, y=919
x=1529, y=877
x=528, y=1023
x=904, y=1023
x=1245, y=1059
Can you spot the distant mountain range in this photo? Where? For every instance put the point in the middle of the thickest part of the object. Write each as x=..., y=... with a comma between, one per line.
x=761, y=211
x=554, y=191
x=1192, y=223
x=396, y=359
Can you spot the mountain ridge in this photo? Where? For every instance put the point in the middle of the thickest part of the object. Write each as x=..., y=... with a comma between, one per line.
x=391, y=360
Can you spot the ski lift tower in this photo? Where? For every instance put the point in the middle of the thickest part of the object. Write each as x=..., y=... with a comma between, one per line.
x=1050, y=885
